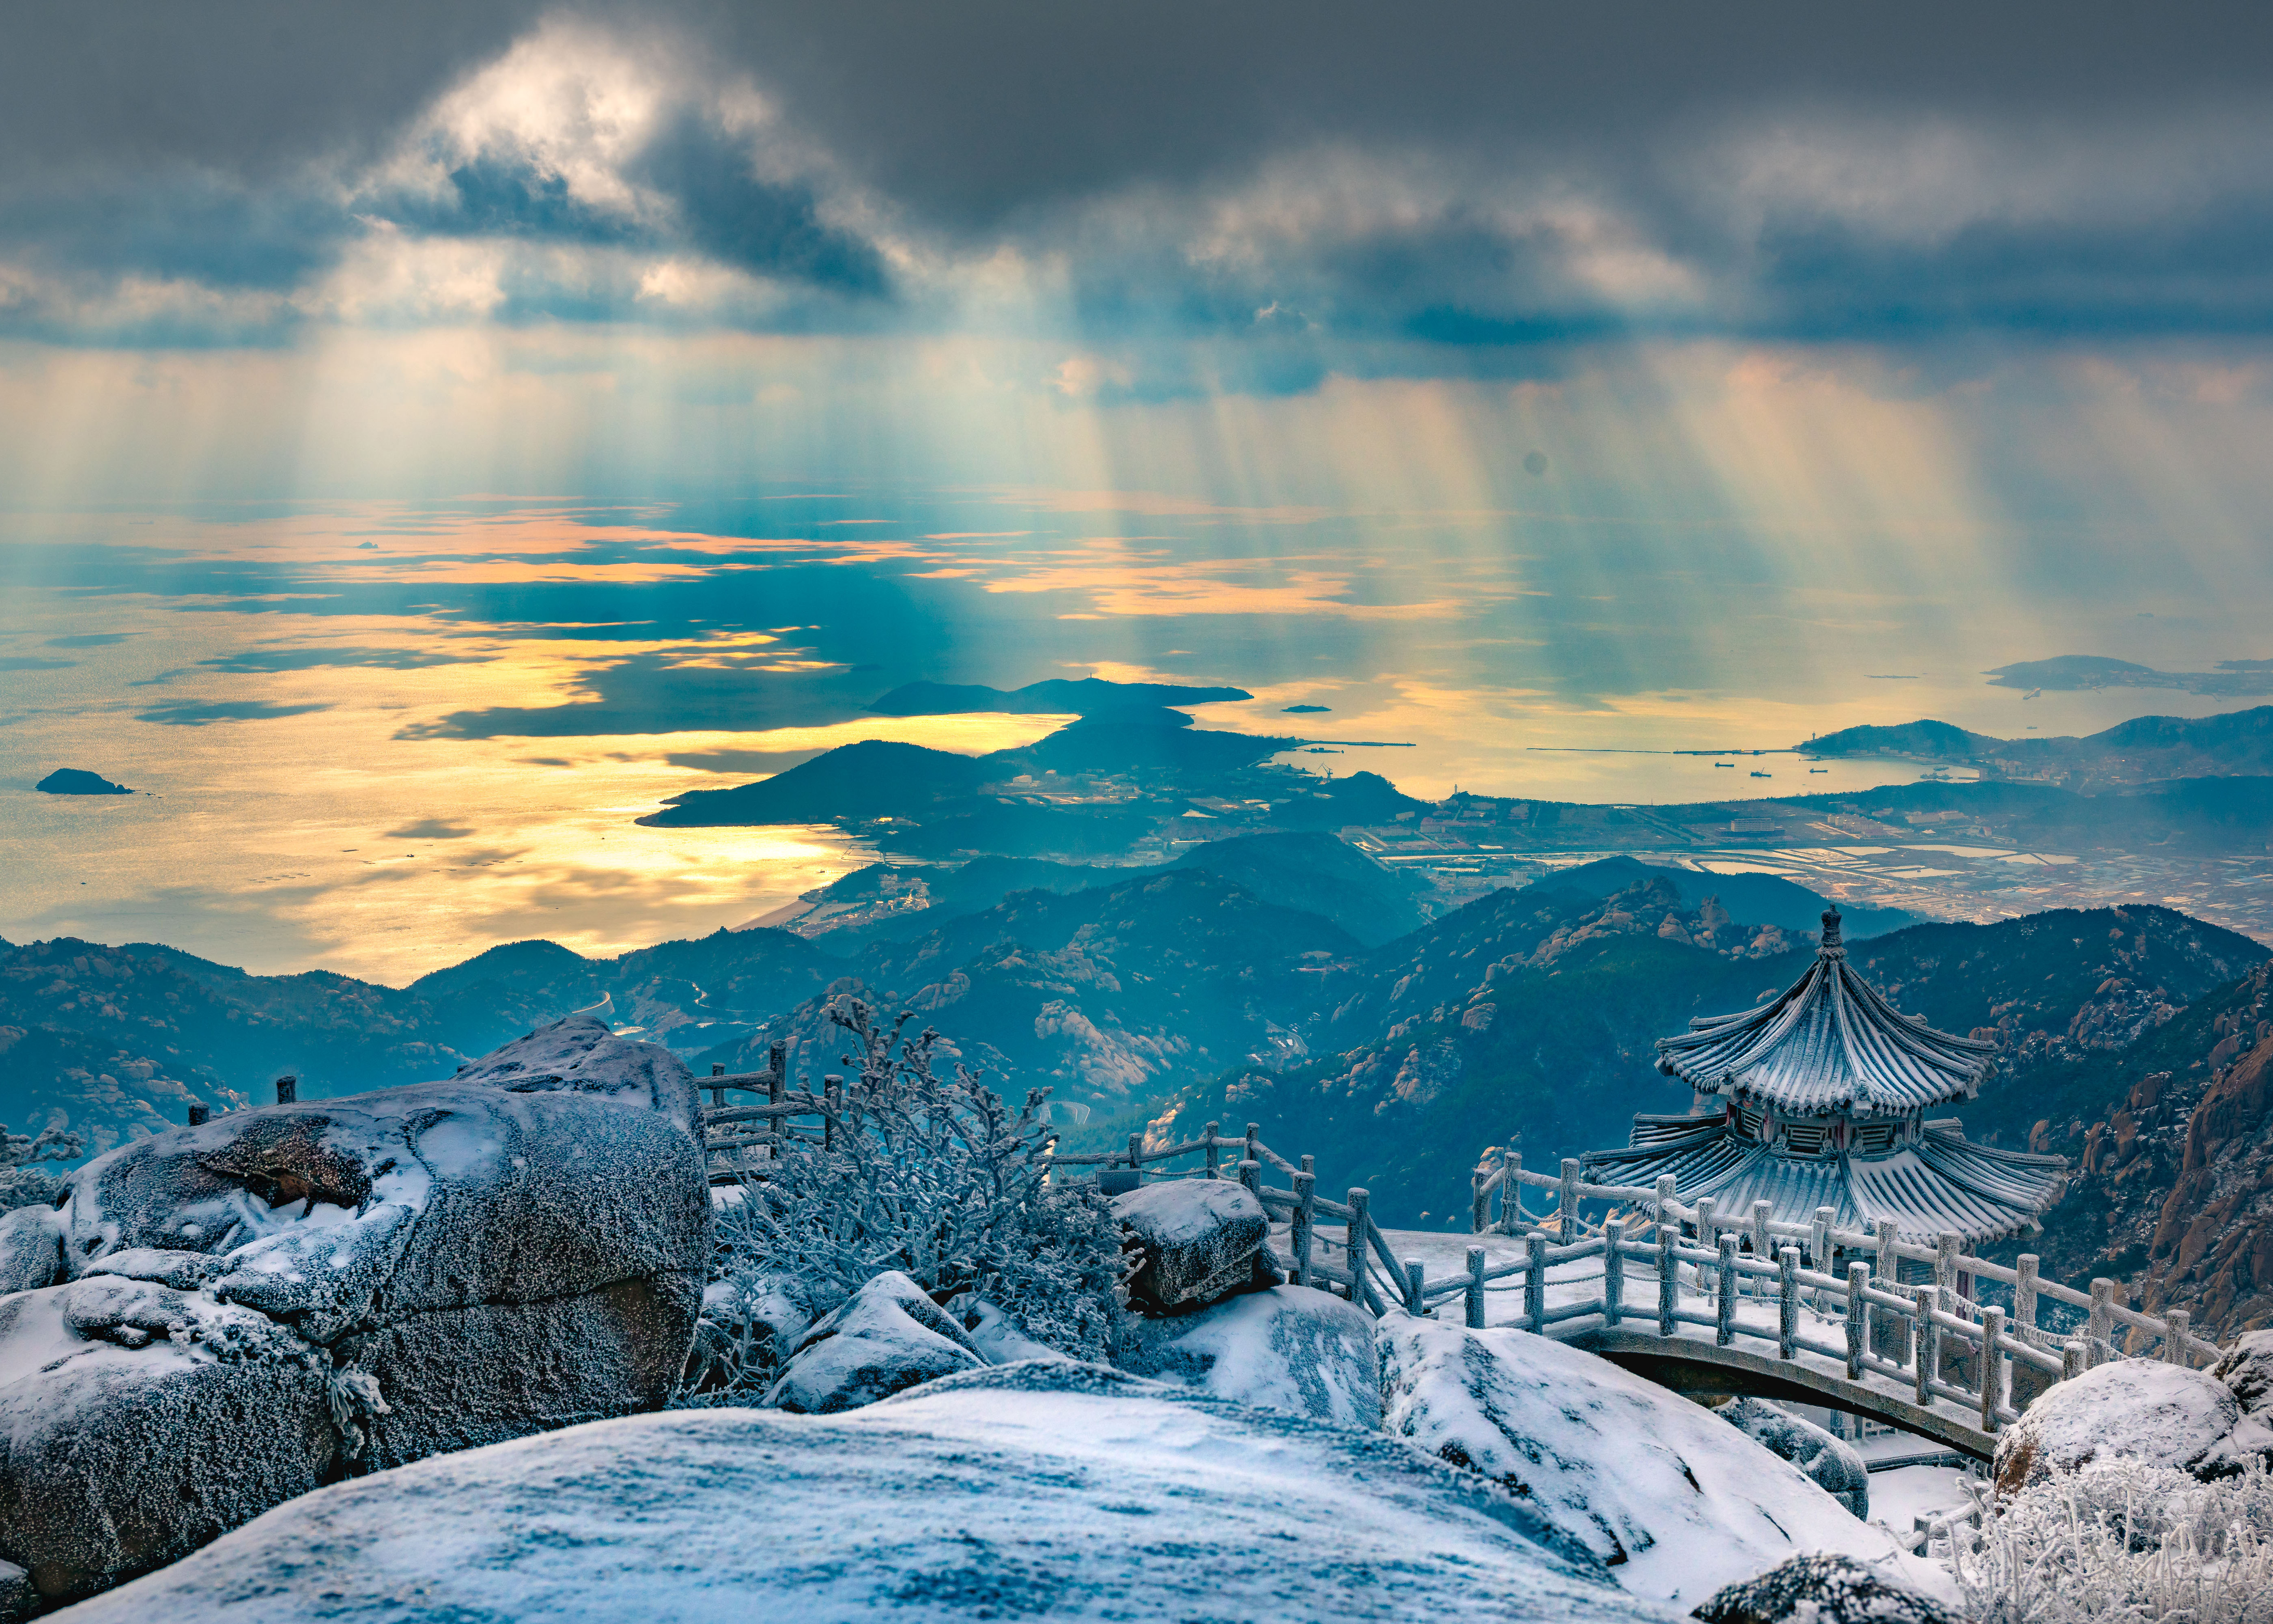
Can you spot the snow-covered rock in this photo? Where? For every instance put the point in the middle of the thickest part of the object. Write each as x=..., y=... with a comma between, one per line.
x=238, y=1309
x=1290, y=1348
x=2246, y=1370
x=1832, y=1464
x=997, y=1336
x=1823, y=1590
x=2126, y=1409
x=1043, y=1488
x=1673, y=1500
x=31, y=1249
x=1197, y=1240
x=888, y=1337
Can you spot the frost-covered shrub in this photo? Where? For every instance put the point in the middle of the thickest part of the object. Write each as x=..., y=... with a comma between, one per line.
x=22, y=1185
x=937, y=1178
x=2123, y=1544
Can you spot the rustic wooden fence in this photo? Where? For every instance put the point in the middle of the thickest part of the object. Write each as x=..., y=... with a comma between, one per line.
x=1678, y=1270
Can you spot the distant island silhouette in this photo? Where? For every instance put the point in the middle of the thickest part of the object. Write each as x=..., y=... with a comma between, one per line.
x=73, y=781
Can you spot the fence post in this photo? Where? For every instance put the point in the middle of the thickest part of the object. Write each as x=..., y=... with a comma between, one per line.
x=1614, y=1270
x=1479, y=1200
x=1475, y=1294
x=1818, y=1245
x=1724, y=1319
x=2101, y=1326
x=1416, y=1282
x=1661, y=1206
x=1992, y=1384
x=717, y=1095
x=1945, y=1260
x=1254, y=1138
x=1566, y=1204
x=2074, y=1360
x=1306, y=1212
x=1210, y=1149
x=1859, y=1318
x=1668, y=1273
x=831, y=1087
x=1926, y=1344
x=1708, y=1237
x=1250, y=1175
x=2024, y=1290
x=2174, y=1337
x=1535, y=1282
x=1361, y=1292
x=777, y=1076
x=287, y=1090
x=1137, y=1156
x=1887, y=1269
x=1510, y=1192
x=199, y=1115
x=1788, y=1302
x=1763, y=1248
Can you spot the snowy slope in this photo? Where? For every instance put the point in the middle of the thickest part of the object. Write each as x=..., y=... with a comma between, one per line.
x=1046, y=1487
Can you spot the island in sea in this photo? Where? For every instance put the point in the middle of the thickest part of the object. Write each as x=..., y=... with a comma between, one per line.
x=74, y=781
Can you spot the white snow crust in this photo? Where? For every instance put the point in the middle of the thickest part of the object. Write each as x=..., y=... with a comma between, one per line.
x=1074, y=1490
x=1290, y=1348
x=2129, y=1410
x=1185, y=1210
x=1677, y=1502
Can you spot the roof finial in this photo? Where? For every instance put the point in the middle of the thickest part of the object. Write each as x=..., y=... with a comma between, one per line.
x=1831, y=927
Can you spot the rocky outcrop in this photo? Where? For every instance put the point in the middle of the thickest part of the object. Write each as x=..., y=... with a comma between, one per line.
x=1822, y=1589
x=2131, y=1410
x=889, y=1337
x=1290, y=1348
x=1036, y=1489
x=2211, y=1252
x=1831, y=1464
x=1195, y=1241
x=1674, y=1500
x=238, y=1312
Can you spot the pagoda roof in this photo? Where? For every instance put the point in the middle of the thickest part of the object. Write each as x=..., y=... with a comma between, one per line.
x=1830, y=1044
x=1942, y=1184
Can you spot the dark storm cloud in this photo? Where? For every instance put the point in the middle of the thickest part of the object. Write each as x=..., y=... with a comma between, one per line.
x=1318, y=187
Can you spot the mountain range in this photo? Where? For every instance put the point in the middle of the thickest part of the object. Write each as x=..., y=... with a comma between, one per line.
x=2144, y=750
x=1249, y=982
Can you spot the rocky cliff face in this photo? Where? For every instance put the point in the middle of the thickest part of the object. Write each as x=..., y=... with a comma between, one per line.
x=2211, y=1252
x=2174, y=1188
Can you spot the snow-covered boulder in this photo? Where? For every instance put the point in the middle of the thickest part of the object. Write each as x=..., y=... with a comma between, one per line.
x=1070, y=1490
x=2128, y=1409
x=1196, y=1240
x=1673, y=1500
x=2246, y=1370
x=1823, y=1590
x=1290, y=1348
x=31, y=1249
x=239, y=1309
x=1832, y=1464
x=890, y=1336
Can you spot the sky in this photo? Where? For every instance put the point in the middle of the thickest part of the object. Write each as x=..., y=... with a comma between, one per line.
x=492, y=419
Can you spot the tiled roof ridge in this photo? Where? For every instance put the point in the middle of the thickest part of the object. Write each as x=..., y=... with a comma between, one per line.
x=1830, y=1043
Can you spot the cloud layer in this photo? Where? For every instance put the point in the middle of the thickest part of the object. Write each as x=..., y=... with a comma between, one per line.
x=1201, y=198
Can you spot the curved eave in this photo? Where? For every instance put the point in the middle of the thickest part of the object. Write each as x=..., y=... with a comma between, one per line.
x=1944, y=1185
x=1830, y=1044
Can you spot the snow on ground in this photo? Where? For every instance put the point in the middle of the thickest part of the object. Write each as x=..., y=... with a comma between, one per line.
x=1678, y=1502
x=1900, y=1497
x=1071, y=1489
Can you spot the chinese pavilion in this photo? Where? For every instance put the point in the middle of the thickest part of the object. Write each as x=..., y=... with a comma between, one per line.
x=1817, y=1098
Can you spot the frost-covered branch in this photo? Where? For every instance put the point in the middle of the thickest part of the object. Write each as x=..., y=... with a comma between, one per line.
x=934, y=1176
x=2123, y=1544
